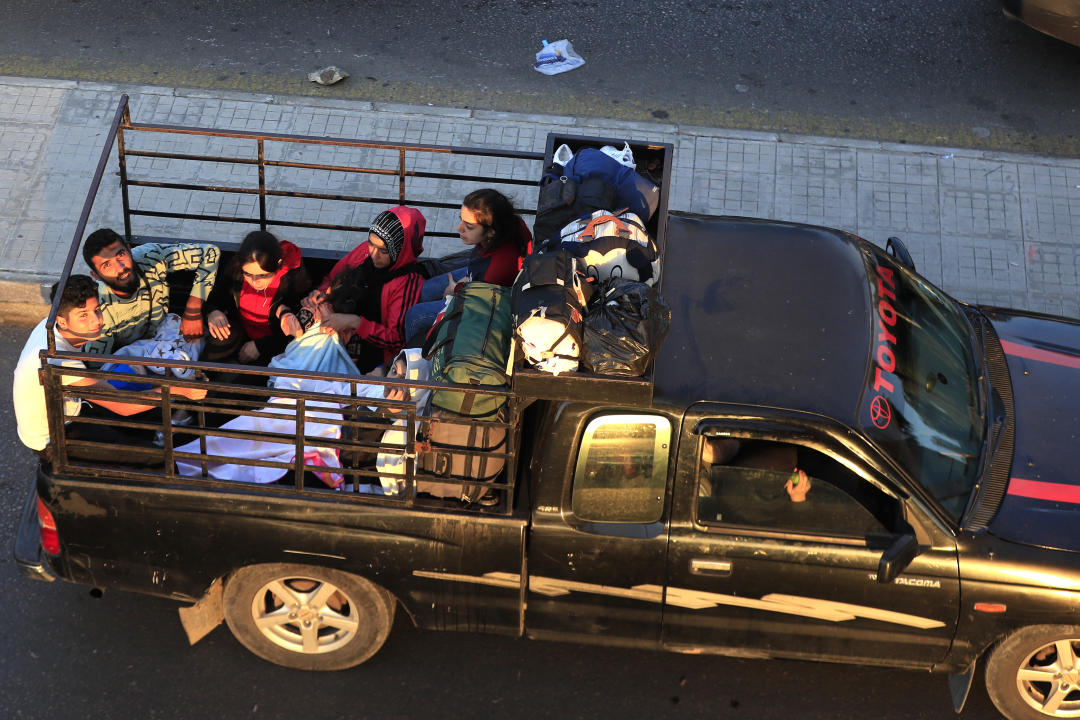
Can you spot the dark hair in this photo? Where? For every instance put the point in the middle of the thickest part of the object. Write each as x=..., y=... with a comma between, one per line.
x=78, y=290
x=349, y=290
x=260, y=247
x=495, y=211
x=97, y=240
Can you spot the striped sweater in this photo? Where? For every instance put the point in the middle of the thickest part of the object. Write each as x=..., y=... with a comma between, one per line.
x=127, y=319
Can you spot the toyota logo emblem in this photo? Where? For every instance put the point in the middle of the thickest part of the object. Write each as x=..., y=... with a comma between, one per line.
x=880, y=412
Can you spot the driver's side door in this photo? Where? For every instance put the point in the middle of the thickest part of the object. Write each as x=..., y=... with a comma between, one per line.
x=753, y=571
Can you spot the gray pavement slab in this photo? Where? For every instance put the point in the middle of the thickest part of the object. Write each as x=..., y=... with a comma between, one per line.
x=996, y=228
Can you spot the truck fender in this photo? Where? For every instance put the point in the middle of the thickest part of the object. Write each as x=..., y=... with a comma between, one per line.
x=205, y=615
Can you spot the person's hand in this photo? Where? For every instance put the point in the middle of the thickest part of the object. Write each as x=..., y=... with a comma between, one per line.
x=290, y=325
x=191, y=321
x=192, y=327
x=191, y=324
x=249, y=352
x=219, y=325
x=322, y=311
x=340, y=323
x=313, y=300
x=450, y=285
x=797, y=486
x=396, y=395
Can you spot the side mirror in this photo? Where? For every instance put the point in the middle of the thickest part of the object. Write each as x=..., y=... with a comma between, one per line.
x=899, y=251
x=897, y=557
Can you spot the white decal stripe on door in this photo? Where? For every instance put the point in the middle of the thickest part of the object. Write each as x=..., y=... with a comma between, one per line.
x=697, y=599
x=859, y=610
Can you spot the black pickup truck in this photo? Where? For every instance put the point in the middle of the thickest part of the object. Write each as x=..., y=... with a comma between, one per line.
x=938, y=441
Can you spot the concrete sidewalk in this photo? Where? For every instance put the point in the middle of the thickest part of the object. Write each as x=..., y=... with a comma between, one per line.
x=988, y=227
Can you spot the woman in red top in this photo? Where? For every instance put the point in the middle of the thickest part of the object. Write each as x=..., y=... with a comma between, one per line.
x=250, y=311
x=366, y=294
x=499, y=239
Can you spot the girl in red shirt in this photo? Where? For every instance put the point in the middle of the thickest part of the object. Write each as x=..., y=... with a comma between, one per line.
x=499, y=239
x=250, y=311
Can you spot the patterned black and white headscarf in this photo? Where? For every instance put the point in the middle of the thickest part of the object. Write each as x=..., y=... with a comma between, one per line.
x=389, y=229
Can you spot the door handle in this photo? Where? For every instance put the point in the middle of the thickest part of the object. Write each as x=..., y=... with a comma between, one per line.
x=701, y=566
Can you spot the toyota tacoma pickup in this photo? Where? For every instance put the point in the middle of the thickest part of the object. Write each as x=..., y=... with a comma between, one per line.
x=935, y=441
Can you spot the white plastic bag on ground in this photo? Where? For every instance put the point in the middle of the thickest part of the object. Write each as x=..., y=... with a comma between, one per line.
x=557, y=57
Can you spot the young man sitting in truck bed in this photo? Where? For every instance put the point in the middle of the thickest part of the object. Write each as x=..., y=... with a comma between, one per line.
x=78, y=321
x=134, y=286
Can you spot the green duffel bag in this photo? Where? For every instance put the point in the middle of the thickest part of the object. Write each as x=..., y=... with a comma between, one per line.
x=469, y=344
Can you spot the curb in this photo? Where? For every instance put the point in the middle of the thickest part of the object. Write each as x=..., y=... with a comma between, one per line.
x=24, y=298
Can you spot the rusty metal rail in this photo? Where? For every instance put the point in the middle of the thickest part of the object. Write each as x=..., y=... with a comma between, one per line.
x=261, y=162
x=87, y=457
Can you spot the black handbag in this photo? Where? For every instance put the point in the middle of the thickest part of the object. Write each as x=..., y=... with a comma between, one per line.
x=558, y=193
x=589, y=195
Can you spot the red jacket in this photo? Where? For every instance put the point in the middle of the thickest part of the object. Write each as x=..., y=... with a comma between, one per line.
x=399, y=294
x=499, y=266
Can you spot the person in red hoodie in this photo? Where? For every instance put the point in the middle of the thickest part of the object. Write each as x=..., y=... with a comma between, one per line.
x=366, y=294
x=250, y=311
x=498, y=238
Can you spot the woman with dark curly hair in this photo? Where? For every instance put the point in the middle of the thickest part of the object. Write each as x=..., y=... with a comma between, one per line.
x=499, y=239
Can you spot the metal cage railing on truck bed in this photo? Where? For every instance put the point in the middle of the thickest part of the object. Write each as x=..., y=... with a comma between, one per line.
x=260, y=158
x=83, y=456
x=363, y=447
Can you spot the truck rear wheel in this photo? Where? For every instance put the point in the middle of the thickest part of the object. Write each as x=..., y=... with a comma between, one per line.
x=1034, y=673
x=305, y=617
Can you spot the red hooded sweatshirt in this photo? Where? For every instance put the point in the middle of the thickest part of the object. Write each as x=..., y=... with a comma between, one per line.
x=398, y=294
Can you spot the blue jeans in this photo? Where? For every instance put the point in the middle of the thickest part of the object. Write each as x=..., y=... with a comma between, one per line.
x=421, y=316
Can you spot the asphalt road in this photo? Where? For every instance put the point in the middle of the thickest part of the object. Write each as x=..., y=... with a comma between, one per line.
x=70, y=656
x=950, y=73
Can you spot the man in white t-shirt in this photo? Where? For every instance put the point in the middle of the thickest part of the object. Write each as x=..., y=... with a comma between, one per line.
x=78, y=320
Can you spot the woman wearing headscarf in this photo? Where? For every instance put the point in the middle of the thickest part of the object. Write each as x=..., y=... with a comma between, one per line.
x=366, y=294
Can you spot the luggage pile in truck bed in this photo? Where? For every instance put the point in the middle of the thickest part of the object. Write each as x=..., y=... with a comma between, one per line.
x=600, y=225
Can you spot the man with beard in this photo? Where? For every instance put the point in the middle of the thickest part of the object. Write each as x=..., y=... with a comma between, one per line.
x=134, y=286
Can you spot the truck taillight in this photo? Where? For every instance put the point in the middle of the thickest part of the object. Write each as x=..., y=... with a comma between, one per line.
x=50, y=539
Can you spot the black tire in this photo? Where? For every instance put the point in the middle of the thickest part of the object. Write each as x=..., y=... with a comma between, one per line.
x=306, y=617
x=1034, y=673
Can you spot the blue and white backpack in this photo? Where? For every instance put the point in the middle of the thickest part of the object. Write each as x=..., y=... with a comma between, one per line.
x=613, y=244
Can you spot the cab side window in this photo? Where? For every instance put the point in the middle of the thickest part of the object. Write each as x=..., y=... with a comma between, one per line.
x=621, y=471
x=785, y=487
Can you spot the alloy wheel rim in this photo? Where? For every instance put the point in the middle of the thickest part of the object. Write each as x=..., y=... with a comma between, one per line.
x=305, y=615
x=1048, y=679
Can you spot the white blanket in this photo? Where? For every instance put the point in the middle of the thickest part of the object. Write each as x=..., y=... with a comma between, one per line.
x=314, y=351
x=321, y=420
x=167, y=344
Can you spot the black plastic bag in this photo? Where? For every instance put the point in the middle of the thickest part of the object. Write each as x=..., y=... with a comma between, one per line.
x=625, y=326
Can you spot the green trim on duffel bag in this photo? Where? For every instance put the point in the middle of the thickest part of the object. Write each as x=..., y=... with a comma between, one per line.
x=470, y=345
